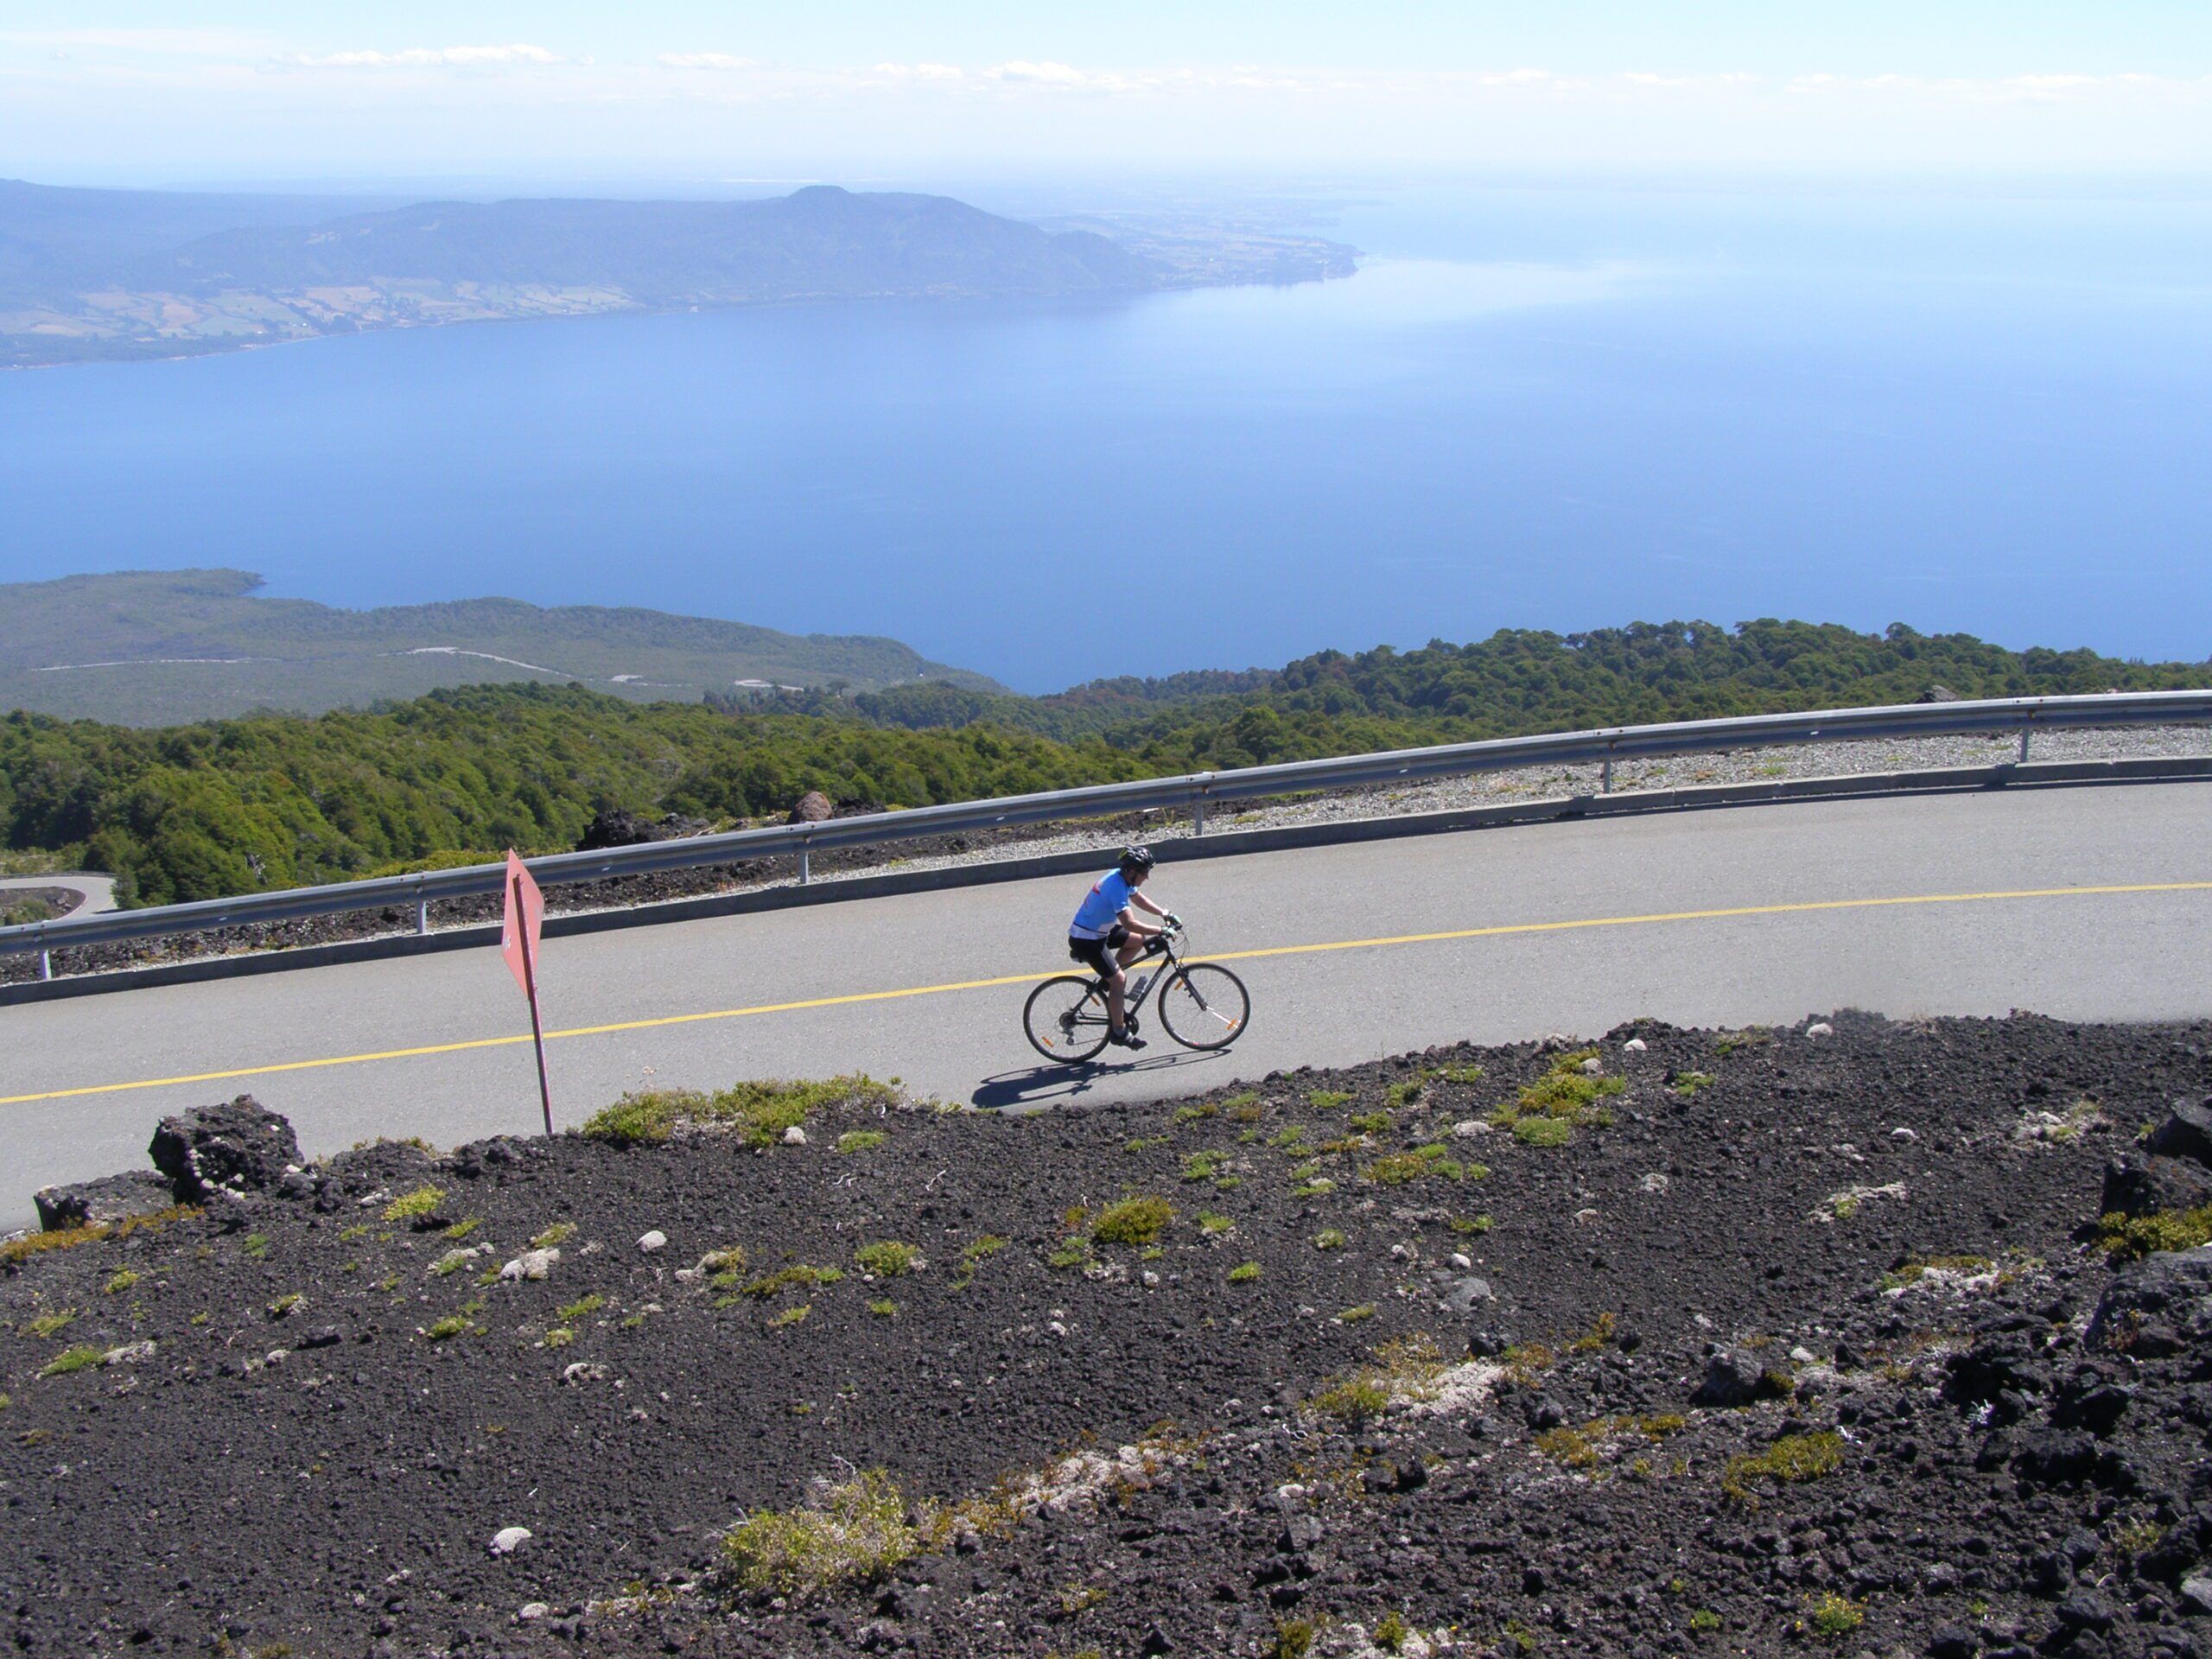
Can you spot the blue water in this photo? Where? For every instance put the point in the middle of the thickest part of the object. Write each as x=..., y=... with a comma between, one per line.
x=1534, y=407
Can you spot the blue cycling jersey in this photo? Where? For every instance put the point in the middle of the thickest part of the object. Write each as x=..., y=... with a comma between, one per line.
x=1107, y=899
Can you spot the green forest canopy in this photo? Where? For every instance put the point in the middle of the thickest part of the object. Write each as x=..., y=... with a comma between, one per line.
x=270, y=801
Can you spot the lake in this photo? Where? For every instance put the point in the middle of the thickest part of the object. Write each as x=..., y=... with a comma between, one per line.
x=1558, y=408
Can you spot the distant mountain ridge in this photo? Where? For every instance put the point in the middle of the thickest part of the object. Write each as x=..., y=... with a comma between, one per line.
x=90, y=275
x=151, y=648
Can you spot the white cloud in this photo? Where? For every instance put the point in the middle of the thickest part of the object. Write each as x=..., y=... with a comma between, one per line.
x=1040, y=75
x=705, y=61
x=921, y=71
x=444, y=57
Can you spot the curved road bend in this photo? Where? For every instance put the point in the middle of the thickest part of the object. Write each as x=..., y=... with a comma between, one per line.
x=893, y=978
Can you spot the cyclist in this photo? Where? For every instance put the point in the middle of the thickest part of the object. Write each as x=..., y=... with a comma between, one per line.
x=1106, y=936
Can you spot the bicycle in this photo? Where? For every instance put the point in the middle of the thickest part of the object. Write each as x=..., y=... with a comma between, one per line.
x=1065, y=1017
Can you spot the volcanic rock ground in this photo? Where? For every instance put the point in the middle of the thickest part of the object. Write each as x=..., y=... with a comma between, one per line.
x=1883, y=1228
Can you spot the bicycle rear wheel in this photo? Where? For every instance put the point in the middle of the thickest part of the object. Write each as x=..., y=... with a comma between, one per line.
x=1065, y=1020
x=1204, y=1006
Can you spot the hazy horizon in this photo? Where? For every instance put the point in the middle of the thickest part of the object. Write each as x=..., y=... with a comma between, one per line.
x=120, y=91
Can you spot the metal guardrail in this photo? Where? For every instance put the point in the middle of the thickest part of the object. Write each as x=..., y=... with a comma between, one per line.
x=1193, y=792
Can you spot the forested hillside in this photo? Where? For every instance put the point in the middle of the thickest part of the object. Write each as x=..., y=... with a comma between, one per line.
x=234, y=805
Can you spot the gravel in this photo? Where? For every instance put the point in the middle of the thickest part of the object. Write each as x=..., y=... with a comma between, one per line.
x=1954, y=1417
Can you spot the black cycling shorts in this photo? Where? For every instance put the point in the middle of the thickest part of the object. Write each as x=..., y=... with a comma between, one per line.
x=1097, y=954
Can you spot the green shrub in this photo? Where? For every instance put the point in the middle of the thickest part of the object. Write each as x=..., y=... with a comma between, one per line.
x=799, y=1274
x=2127, y=1238
x=417, y=1205
x=452, y=1326
x=1543, y=1131
x=73, y=1359
x=1831, y=1614
x=1792, y=1457
x=1244, y=1273
x=1133, y=1221
x=793, y=1315
x=1212, y=1225
x=120, y=1281
x=760, y=1111
x=884, y=1309
x=44, y=1324
x=583, y=1308
x=559, y=1233
x=860, y=1140
x=1391, y=1632
x=1328, y=1239
x=1327, y=1100
x=972, y=1254
x=1354, y=1315
x=1400, y=1168
x=1202, y=1165
x=1073, y=1251
x=887, y=1258
x=855, y=1533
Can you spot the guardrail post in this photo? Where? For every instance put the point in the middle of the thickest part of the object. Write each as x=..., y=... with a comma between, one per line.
x=421, y=915
x=2025, y=730
x=1197, y=817
x=45, y=964
x=805, y=870
x=1605, y=777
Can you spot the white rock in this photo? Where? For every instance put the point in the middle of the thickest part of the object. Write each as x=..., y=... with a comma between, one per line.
x=530, y=1264
x=129, y=1354
x=1592, y=1067
x=1634, y=1046
x=1902, y=1134
x=508, y=1540
x=1470, y=1128
x=2196, y=1591
x=584, y=1370
x=1402, y=1253
x=1820, y=1028
x=1802, y=1354
x=534, y=1609
x=1151, y=1279
x=1586, y=1217
x=1461, y=1261
x=656, y=1240
x=1056, y=1328
x=1655, y=1182
x=794, y=1136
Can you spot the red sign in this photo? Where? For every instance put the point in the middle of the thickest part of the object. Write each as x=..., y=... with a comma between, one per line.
x=523, y=916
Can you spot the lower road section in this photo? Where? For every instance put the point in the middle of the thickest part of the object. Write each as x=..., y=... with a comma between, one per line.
x=2085, y=904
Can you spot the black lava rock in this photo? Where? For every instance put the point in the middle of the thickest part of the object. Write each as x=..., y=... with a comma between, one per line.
x=2143, y=1184
x=235, y=1148
x=103, y=1202
x=2156, y=1307
x=2187, y=1133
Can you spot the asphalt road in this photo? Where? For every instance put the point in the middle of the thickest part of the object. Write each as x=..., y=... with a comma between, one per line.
x=1960, y=905
x=98, y=890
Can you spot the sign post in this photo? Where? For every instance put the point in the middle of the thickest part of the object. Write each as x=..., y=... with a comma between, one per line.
x=519, y=926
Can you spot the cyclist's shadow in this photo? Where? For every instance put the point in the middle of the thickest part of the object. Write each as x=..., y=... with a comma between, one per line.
x=1038, y=1085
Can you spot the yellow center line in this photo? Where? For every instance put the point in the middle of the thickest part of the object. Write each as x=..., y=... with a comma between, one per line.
x=1801, y=907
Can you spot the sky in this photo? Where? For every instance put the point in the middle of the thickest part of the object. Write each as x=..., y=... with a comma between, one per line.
x=229, y=91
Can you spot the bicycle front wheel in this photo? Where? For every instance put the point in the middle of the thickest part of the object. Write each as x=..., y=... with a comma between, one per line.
x=1065, y=1020
x=1204, y=1006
